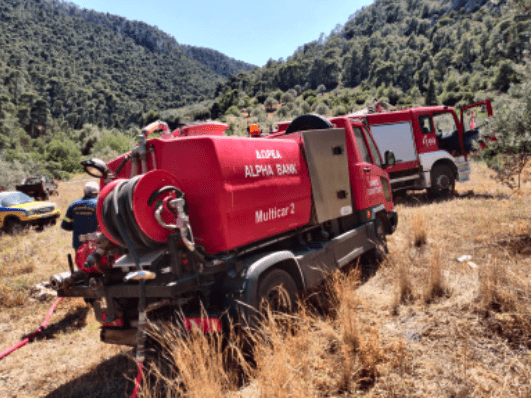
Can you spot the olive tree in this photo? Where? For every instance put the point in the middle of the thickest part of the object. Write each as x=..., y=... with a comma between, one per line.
x=508, y=146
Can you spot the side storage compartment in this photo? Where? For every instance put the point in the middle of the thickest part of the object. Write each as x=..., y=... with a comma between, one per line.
x=326, y=155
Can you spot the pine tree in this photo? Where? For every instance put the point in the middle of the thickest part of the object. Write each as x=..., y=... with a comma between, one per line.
x=431, y=96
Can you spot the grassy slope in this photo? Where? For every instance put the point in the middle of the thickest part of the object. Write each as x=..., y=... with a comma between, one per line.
x=423, y=325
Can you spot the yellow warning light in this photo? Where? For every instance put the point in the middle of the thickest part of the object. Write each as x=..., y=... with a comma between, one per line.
x=254, y=130
x=368, y=214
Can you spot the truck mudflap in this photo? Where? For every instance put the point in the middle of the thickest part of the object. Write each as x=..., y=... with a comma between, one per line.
x=463, y=169
x=392, y=218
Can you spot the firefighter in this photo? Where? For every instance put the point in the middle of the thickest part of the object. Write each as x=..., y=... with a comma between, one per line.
x=80, y=218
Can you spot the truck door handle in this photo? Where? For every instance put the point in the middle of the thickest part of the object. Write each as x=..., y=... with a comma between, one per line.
x=366, y=169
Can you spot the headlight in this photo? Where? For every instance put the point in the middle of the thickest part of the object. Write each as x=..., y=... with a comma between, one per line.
x=29, y=212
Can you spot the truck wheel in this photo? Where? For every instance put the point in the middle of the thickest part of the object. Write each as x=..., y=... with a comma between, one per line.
x=442, y=182
x=13, y=226
x=277, y=291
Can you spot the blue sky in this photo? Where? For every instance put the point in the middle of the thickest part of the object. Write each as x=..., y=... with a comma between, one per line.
x=249, y=31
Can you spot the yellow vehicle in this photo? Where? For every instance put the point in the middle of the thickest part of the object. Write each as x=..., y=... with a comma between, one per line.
x=18, y=210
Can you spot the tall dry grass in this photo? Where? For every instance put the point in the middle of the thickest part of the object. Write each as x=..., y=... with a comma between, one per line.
x=302, y=355
x=435, y=285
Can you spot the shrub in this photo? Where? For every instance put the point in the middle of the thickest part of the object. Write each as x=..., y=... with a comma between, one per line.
x=340, y=110
x=283, y=111
x=112, y=143
x=322, y=109
x=66, y=153
x=234, y=111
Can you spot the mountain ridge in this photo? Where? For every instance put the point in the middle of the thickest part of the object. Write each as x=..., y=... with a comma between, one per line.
x=154, y=39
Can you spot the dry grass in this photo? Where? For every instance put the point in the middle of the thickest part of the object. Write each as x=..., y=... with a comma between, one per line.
x=419, y=233
x=435, y=286
x=425, y=325
x=290, y=356
x=67, y=359
x=404, y=288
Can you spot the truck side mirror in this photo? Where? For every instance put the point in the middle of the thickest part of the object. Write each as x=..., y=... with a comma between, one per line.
x=390, y=160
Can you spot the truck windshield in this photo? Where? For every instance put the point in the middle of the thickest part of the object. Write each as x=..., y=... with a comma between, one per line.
x=364, y=151
x=444, y=124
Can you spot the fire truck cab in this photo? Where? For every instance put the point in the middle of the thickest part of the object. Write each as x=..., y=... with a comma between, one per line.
x=430, y=143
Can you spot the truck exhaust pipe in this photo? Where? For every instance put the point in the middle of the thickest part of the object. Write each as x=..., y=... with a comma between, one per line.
x=119, y=336
x=65, y=279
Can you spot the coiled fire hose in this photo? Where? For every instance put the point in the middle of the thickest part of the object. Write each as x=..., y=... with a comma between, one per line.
x=43, y=326
x=123, y=216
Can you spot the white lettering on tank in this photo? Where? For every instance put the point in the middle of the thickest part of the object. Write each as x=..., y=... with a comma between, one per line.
x=259, y=170
x=266, y=170
x=289, y=169
x=268, y=154
x=273, y=213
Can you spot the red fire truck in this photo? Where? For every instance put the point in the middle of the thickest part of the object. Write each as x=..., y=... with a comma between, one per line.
x=229, y=224
x=430, y=143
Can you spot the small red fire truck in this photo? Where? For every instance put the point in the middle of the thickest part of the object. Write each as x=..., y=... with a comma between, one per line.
x=430, y=143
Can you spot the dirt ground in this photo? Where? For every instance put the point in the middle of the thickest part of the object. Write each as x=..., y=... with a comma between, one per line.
x=423, y=325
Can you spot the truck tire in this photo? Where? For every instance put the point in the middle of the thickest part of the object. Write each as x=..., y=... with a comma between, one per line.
x=442, y=182
x=277, y=290
x=308, y=122
x=13, y=226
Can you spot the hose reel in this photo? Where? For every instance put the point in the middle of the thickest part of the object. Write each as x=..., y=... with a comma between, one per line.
x=150, y=208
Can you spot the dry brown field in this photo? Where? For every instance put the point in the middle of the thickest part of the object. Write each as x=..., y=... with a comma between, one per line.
x=422, y=325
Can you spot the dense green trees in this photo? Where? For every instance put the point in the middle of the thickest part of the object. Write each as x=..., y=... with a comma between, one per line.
x=402, y=46
x=76, y=83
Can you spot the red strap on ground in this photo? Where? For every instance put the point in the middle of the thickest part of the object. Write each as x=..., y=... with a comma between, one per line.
x=34, y=334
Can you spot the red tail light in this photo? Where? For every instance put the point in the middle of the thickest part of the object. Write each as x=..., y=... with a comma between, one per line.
x=205, y=325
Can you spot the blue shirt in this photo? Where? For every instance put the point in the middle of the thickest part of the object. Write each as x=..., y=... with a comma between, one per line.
x=81, y=218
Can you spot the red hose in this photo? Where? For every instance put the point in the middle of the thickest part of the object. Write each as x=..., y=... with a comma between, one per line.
x=4, y=354
x=138, y=380
x=34, y=334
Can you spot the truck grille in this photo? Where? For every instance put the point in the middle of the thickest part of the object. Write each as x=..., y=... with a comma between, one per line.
x=44, y=210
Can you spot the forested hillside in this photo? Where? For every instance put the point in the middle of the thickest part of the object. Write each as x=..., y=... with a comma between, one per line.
x=67, y=73
x=74, y=82
x=395, y=50
x=154, y=39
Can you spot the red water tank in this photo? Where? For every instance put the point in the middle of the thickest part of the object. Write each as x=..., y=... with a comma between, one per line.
x=239, y=190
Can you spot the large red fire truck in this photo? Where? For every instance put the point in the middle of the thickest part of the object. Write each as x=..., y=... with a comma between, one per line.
x=228, y=224
x=430, y=143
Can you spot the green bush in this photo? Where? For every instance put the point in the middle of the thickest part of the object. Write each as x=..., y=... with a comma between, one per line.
x=340, y=110
x=112, y=144
x=66, y=153
x=283, y=111
x=321, y=108
x=234, y=111
x=305, y=107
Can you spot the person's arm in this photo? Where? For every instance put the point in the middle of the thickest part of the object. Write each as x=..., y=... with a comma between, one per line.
x=68, y=221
